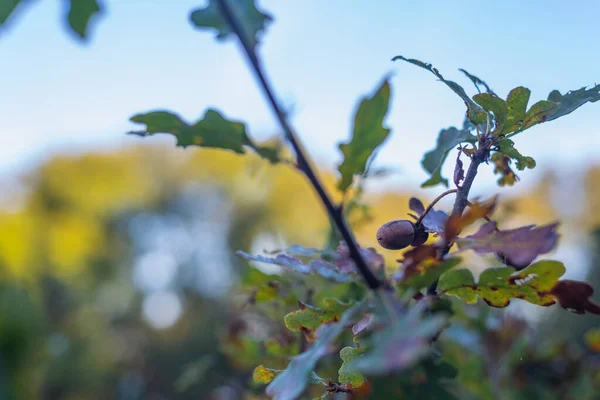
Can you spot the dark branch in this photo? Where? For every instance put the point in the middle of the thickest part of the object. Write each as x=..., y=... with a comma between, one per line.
x=303, y=164
x=462, y=196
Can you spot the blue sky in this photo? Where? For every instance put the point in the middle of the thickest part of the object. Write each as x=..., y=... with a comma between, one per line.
x=57, y=94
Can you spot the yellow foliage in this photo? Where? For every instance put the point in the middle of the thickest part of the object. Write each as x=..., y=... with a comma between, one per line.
x=18, y=238
x=72, y=240
x=99, y=183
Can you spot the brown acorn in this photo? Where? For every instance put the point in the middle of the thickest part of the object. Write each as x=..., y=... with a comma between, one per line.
x=396, y=235
x=420, y=235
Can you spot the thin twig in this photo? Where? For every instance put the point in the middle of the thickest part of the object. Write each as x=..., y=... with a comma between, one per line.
x=430, y=206
x=303, y=164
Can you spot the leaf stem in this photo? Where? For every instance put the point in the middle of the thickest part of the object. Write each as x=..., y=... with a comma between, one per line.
x=430, y=206
x=303, y=163
x=462, y=195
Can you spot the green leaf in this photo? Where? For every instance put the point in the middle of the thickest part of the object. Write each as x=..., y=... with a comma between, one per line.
x=6, y=9
x=517, y=108
x=556, y=106
x=477, y=82
x=252, y=20
x=291, y=382
x=309, y=318
x=368, y=133
x=538, y=113
x=402, y=344
x=502, y=168
x=80, y=14
x=506, y=147
x=212, y=130
x=425, y=273
x=497, y=286
x=264, y=375
x=474, y=112
x=492, y=103
x=433, y=160
x=347, y=374
x=572, y=100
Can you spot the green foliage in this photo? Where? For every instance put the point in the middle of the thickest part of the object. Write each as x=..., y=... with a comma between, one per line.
x=536, y=284
x=80, y=13
x=396, y=339
x=309, y=318
x=433, y=160
x=368, y=134
x=347, y=374
x=402, y=343
x=290, y=383
x=475, y=113
x=212, y=130
x=252, y=20
x=6, y=9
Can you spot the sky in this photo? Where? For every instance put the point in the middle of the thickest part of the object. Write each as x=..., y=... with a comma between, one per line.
x=59, y=94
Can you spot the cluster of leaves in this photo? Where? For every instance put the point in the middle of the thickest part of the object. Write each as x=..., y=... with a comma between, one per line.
x=387, y=334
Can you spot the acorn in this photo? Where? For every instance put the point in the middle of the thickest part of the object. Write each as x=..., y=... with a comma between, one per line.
x=396, y=235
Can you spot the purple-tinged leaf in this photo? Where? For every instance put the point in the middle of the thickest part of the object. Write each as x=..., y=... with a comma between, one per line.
x=434, y=221
x=459, y=172
x=402, y=344
x=363, y=324
x=519, y=247
x=320, y=267
x=374, y=260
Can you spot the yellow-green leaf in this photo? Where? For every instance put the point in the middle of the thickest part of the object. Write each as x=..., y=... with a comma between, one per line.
x=368, y=133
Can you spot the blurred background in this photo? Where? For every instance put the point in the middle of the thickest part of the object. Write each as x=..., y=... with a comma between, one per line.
x=118, y=277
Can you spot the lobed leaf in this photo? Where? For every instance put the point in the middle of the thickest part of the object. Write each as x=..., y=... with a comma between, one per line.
x=433, y=160
x=536, y=284
x=518, y=246
x=264, y=375
x=506, y=147
x=494, y=104
x=291, y=382
x=474, y=112
x=423, y=274
x=253, y=21
x=318, y=266
x=347, y=374
x=344, y=262
x=368, y=134
x=477, y=210
x=401, y=344
x=572, y=100
x=212, y=130
x=502, y=167
x=7, y=7
x=477, y=82
x=516, y=103
x=308, y=319
x=80, y=14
